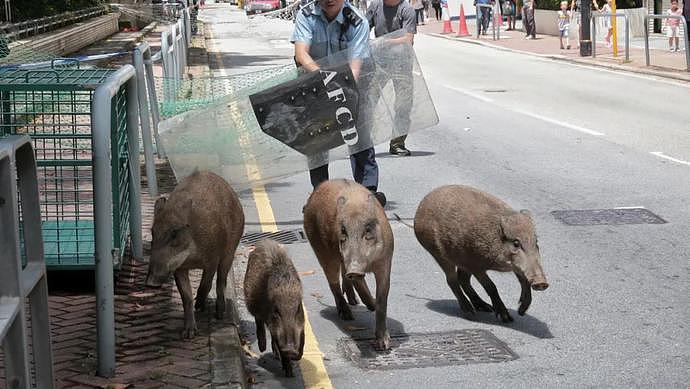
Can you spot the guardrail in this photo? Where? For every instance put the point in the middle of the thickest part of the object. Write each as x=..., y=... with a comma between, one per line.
x=18, y=180
x=627, y=32
x=683, y=23
x=39, y=26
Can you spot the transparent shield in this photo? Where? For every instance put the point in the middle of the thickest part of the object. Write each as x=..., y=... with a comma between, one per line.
x=271, y=128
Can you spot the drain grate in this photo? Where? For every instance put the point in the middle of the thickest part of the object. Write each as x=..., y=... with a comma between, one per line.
x=615, y=216
x=282, y=236
x=451, y=348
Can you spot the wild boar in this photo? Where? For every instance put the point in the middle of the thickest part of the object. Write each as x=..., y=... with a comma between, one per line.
x=348, y=229
x=469, y=232
x=273, y=292
x=197, y=227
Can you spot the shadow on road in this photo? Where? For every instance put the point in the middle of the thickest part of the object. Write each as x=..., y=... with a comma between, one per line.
x=527, y=324
x=364, y=323
x=414, y=154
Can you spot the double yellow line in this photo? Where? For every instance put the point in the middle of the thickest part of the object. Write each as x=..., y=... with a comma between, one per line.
x=313, y=370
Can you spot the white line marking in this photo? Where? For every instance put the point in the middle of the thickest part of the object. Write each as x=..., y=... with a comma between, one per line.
x=471, y=94
x=676, y=160
x=558, y=122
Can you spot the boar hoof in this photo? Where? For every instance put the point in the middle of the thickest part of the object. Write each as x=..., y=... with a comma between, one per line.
x=504, y=316
x=287, y=368
x=466, y=307
x=383, y=343
x=189, y=332
x=345, y=313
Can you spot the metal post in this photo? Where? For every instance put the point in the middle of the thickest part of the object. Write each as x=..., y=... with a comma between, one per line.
x=155, y=112
x=188, y=26
x=585, y=38
x=627, y=39
x=35, y=284
x=134, y=172
x=144, y=118
x=12, y=321
x=685, y=36
x=103, y=223
x=594, y=36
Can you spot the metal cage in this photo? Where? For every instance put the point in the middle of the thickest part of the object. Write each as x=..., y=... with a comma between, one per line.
x=54, y=107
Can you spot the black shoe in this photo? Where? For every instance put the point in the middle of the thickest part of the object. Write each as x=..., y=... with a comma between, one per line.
x=381, y=198
x=400, y=151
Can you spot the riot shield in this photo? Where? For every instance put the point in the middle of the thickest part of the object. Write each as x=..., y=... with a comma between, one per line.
x=297, y=120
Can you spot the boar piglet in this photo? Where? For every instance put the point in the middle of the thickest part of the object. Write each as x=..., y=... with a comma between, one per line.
x=469, y=232
x=197, y=227
x=273, y=293
x=349, y=232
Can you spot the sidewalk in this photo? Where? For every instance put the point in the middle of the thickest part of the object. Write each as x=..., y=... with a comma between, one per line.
x=664, y=63
x=150, y=351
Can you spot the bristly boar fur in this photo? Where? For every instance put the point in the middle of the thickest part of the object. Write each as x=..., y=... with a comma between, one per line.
x=350, y=235
x=468, y=232
x=273, y=292
x=197, y=227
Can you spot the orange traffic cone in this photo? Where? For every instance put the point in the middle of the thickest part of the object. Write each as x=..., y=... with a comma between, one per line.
x=462, y=26
x=447, y=29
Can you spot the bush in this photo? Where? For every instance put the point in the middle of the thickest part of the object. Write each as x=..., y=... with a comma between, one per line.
x=34, y=9
x=555, y=5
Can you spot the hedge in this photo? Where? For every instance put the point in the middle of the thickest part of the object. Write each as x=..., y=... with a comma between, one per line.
x=34, y=9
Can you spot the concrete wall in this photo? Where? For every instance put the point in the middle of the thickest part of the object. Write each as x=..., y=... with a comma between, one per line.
x=73, y=38
x=546, y=23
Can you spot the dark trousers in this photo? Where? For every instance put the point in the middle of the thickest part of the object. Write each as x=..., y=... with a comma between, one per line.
x=437, y=8
x=528, y=20
x=365, y=170
x=485, y=11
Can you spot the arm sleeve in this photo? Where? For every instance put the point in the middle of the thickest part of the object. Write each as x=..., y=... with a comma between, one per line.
x=360, y=41
x=303, y=30
x=409, y=20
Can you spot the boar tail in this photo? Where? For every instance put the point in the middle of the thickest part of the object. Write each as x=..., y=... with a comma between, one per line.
x=398, y=218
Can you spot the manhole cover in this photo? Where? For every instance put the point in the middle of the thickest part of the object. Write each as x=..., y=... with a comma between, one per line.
x=460, y=347
x=283, y=236
x=591, y=217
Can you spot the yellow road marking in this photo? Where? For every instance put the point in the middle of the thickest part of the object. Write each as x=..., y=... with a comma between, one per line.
x=313, y=369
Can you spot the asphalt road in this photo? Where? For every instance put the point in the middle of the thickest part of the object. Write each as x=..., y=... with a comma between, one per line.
x=541, y=135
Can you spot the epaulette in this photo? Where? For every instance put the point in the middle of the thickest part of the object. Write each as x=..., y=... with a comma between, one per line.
x=351, y=17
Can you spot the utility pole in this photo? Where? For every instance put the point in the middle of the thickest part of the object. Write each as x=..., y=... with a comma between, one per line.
x=585, y=31
x=8, y=11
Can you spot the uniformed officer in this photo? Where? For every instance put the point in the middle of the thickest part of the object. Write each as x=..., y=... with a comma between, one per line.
x=322, y=29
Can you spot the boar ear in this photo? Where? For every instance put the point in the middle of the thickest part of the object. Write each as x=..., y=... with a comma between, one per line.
x=160, y=204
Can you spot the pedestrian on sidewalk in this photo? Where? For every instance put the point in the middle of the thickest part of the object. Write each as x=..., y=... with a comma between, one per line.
x=386, y=16
x=323, y=29
x=563, y=21
x=528, y=20
x=672, y=25
x=418, y=6
x=510, y=11
x=606, y=10
x=485, y=12
x=437, y=9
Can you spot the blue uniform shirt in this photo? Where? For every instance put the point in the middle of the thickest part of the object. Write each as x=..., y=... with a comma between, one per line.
x=326, y=38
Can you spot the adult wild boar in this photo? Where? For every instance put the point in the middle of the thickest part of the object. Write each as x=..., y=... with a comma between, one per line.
x=469, y=232
x=197, y=227
x=347, y=228
x=273, y=292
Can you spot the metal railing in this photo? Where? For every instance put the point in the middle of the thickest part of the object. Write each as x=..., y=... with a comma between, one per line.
x=39, y=26
x=627, y=32
x=496, y=32
x=141, y=54
x=683, y=23
x=103, y=199
x=18, y=180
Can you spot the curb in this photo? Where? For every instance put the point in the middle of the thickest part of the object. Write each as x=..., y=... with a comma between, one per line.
x=556, y=57
x=227, y=363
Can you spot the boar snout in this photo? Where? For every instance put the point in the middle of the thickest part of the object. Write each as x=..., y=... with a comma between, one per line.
x=290, y=352
x=539, y=285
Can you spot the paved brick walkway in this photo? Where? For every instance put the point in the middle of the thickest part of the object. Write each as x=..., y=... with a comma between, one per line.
x=665, y=63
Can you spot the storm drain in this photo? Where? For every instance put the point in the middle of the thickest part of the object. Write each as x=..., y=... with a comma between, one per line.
x=282, y=236
x=615, y=216
x=460, y=347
